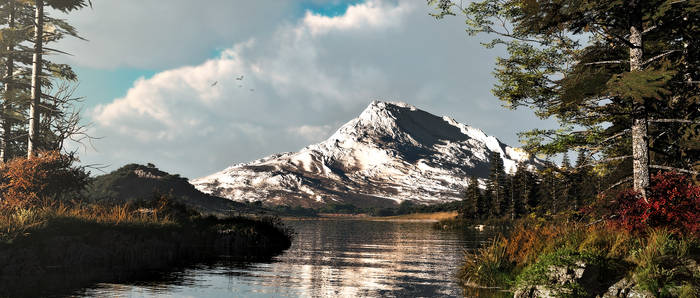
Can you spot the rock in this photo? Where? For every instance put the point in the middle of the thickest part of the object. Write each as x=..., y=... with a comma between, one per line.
x=625, y=288
x=561, y=281
x=534, y=292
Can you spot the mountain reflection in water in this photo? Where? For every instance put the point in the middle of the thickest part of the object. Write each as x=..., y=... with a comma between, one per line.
x=328, y=258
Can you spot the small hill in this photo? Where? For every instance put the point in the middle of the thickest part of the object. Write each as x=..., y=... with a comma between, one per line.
x=134, y=182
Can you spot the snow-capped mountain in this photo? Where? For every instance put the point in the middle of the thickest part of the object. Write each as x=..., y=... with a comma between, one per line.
x=392, y=152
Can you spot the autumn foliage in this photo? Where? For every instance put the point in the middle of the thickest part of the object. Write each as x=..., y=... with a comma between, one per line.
x=673, y=203
x=51, y=175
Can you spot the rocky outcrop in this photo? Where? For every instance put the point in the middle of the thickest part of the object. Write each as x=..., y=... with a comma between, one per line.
x=625, y=288
x=563, y=281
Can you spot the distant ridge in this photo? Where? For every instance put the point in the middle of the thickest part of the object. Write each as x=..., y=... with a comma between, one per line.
x=392, y=152
x=134, y=182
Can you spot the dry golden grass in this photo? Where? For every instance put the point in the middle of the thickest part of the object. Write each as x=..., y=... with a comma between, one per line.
x=17, y=221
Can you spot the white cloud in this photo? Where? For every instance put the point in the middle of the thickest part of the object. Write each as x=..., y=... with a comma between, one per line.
x=313, y=133
x=300, y=82
x=361, y=16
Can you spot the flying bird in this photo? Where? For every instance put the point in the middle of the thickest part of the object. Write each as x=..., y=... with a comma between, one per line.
x=214, y=84
x=240, y=78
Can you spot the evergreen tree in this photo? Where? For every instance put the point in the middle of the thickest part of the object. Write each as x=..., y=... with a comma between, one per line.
x=497, y=185
x=520, y=192
x=15, y=55
x=607, y=70
x=548, y=191
x=470, y=204
x=491, y=206
x=23, y=41
x=532, y=199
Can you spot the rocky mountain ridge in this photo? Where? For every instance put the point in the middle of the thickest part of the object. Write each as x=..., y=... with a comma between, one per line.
x=392, y=152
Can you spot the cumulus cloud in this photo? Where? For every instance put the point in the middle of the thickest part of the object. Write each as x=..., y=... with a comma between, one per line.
x=371, y=14
x=283, y=90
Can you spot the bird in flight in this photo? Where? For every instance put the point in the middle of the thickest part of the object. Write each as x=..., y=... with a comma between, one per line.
x=214, y=84
x=240, y=78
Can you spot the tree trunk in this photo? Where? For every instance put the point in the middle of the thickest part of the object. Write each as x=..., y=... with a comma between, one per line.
x=9, y=66
x=640, y=138
x=36, y=79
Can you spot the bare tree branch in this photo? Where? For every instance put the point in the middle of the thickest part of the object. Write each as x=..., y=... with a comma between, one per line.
x=618, y=183
x=606, y=62
x=604, y=161
x=648, y=29
x=674, y=169
x=674, y=121
x=652, y=59
x=617, y=135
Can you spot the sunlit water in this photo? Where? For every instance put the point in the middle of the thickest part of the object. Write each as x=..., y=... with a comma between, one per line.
x=328, y=258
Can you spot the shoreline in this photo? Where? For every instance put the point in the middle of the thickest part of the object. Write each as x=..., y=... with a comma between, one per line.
x=65, y=254
x=432, y=217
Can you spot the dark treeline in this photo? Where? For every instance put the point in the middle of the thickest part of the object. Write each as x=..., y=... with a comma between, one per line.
x=550, y=189
x=406, y=207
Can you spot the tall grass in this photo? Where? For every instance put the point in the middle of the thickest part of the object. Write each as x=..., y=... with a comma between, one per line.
x=659, y=262
x=15, y=222
x=663, y=264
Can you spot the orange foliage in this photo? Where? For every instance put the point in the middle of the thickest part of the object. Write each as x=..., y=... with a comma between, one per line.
x=529, y=239
x=25, y=182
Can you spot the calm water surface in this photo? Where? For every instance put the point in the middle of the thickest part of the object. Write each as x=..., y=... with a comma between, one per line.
x=328, y=258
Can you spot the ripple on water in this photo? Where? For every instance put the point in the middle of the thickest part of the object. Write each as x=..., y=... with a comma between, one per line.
x=329, y=258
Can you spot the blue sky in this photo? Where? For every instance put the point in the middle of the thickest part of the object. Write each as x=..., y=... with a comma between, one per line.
x=309, y=66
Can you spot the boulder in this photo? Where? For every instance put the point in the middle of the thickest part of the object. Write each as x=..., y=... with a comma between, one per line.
x=561, y=280
x=625, y=288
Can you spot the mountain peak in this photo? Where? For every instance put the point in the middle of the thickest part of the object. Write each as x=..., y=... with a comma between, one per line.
x=391, y=152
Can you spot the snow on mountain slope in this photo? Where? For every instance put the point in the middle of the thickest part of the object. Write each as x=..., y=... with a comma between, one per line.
x=392, y=152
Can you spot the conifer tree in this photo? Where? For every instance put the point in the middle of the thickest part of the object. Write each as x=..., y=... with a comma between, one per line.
x=532, y=199
x=490, y=206
x=548, y=192
x=521, y=190
x=45, y=30
x=621, y=76
x=470, y=205
x=497, y=185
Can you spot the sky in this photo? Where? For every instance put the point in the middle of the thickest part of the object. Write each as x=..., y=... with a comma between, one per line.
x=161, y=81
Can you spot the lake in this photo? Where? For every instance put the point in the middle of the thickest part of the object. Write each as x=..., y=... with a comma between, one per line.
x=328, y=258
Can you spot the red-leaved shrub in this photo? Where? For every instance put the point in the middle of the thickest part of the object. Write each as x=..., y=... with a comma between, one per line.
x=26, y=182
x=673, y=202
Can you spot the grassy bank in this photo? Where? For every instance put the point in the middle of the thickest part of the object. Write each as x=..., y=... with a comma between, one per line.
x=658, y=263
x=55, y=247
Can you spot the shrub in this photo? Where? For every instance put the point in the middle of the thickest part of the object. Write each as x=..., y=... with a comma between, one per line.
x=673, y=202
x=662, y=263
x=487, y=266
x=26, y=182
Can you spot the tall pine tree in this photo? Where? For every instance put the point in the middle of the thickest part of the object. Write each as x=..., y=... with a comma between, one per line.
x=497, y=185
x=470, y=205
x=621, y=76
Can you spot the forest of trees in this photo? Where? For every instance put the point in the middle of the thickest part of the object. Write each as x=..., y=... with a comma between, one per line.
x=551, y=189
x=37, y=110
x=621, y=77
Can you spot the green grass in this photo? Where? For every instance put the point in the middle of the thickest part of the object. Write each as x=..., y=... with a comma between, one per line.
x=659, y=262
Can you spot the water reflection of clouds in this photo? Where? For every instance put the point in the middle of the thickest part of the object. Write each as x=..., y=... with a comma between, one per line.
x=339, y=258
